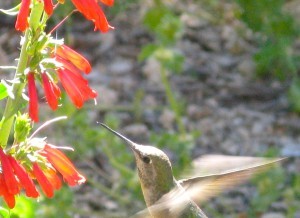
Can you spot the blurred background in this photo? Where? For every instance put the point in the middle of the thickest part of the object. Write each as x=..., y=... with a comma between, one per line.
x=192, y=77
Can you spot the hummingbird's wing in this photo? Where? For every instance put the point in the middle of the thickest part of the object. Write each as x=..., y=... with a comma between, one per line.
x=201, y=188
x=177, y=203
x=218, y=164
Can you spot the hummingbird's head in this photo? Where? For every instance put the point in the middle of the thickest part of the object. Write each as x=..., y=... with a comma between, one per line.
x=155, y=172
x=154, y=169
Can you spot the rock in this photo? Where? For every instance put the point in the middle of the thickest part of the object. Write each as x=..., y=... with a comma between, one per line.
x=290, y=148
x=150, y=101
x=6, y=5
x=124, y=85
x=211, y=102
x=279, y=206
x=106, y=96
x=151, y=70
x=225, y=61
x=195, y=112
x=167, y=119
x=136, y=132
x=273, y=215
x=247, y=67
x=232, y=202
x=297, y=214
x=210, y=40
x=150, y=117
x=121, y=66
x=193, y=21
x=108, y=41
x=233, y=43
x=258, y=127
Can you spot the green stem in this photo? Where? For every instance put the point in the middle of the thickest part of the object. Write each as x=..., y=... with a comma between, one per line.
x=172, y=100
x=14, y=105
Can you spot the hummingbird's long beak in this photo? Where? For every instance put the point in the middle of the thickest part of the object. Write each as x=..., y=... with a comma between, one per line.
x=131, y=144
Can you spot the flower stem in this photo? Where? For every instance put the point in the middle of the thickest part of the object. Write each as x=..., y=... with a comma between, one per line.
x=172, y=100
x=14, y=105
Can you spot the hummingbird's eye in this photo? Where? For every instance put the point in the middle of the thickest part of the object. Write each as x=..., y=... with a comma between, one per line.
x=146, y=159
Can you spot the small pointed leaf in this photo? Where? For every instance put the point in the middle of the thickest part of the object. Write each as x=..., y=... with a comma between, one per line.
x=12, y=12
x=147, y=51
x=4, y=213
x=3, y=91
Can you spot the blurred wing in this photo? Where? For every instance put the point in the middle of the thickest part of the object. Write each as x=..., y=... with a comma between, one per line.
x=142, y=214
x=201, y=188
x=177, y=203
x=219, y=164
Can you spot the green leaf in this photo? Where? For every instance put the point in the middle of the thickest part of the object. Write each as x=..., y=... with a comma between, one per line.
x=170, y=59
x=3, y=91
x=12, y=12
x=25, y=208
x=8, y=90
x=170, y=29
x=4, y=213
x=147, y=51
x=165, y=24
x=153, y=17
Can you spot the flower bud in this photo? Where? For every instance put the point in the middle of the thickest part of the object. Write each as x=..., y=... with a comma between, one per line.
x=22, y=127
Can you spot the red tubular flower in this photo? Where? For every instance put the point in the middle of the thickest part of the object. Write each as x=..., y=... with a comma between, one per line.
x=108, y=2
x=68, y=65
x=33, y=98
x=43, y=181
x=52, y=91
x=8, y=175
x=53, y=178
x=76, y=87
x=24, y=178
x=70, y=75
x=75, y=58
x=92, y=11
x=48, y=7
x=22, y=18
x=63, y=165
x=8, y=198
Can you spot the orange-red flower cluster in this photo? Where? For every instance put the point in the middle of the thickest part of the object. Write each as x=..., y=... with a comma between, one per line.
x=69, y=73
x=14, y=176
x=89, y=8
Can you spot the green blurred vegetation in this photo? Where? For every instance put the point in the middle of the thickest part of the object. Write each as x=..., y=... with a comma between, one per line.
x=275, y=59
x=278, y=31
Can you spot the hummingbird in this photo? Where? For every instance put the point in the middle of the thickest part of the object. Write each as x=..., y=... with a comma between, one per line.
x=166, y=197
